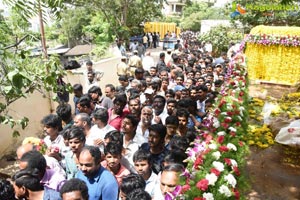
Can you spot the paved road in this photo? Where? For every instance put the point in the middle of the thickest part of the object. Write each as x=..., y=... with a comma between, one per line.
x=108, y=66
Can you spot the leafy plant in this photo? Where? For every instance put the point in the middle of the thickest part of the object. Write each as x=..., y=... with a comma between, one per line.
x=220, y=37
x=195, y=12
x=21, y=75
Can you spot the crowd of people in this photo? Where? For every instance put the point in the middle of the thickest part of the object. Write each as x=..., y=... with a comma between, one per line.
x=128, y=142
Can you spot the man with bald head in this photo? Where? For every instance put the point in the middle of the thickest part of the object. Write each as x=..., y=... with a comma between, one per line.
x=101, y=183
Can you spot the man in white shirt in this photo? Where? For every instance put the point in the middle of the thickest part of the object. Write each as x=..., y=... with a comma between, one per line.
x=54, y=141
x=160, y=113
x=142, y=131
x=142, y=163
x=148, y=61
x=99, y=130
x=169, y=180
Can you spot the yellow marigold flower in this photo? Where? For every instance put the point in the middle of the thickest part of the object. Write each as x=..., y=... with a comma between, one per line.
x=251, y=142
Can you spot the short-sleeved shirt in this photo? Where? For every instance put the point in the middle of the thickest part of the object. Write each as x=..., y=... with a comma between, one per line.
x=103, y=186
x=117, y=121
x=58, y=142
x=71, y=166
x=150, y=184
x=123, y=171
x=157, y=158
x=122, y=69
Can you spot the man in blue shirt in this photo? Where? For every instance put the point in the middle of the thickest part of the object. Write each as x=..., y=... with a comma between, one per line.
x=101, y=183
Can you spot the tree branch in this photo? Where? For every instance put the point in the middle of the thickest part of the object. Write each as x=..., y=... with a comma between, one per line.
x=16, y=44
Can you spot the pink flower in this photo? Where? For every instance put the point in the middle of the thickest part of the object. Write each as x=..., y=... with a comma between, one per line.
x=202, y=185
x=185, y=188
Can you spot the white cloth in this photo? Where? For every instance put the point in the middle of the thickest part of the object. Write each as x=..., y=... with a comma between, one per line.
x=98, y=133
x=148, y=62
x=58, y=142
x=289, y=135
x=131, y=148
x=157, y=192
x=140, y=137
x=162, y=116
x=150, y=184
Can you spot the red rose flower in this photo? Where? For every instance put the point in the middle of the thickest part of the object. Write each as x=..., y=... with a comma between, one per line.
x=225, y=125
x=217, y=112
x=223, y=149
x=202, y=185
x=238, y=123
x=232, y=133
x=220, y=139
x=241, y=143
x=199, y=198
x=236, y=194
x=236, y=170
x=227, y=120
x=215, y=171
x=198, y=161
x=229, y=113
x=227, y=161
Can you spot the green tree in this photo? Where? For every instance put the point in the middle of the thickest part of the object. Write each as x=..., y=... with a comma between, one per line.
x=72, y=25
x=20, y=73
x=98, y=30
x=124, y=15
x=194, y=12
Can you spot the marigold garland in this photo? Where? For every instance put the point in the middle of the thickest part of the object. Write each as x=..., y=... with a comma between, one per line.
x=273, y=54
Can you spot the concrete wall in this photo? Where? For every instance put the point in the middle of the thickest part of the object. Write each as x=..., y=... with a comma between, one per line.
x=34, y=107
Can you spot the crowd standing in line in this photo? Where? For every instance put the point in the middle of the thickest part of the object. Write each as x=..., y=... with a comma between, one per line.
x=130, y=141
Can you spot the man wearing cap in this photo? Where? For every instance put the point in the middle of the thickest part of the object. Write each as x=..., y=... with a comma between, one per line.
x=134, y=62
x=149, y=93
x=122, y=67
